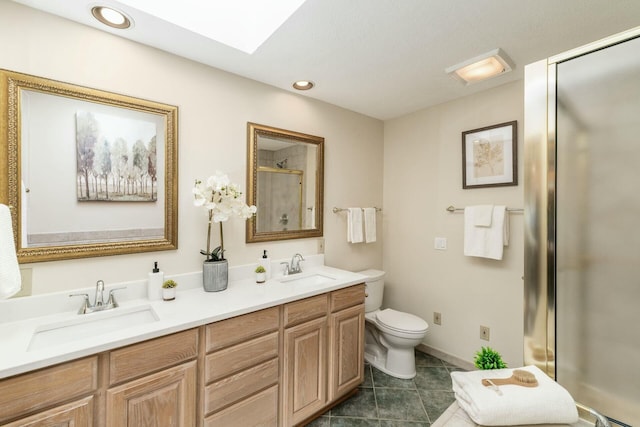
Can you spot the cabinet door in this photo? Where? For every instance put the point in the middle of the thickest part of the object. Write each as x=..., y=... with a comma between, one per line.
x=163, y=399
x=304, y=378
x=76, y=414
x=346, y=350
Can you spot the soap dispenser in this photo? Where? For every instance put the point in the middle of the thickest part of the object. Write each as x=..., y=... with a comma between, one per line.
x=266, y=263
x=154, y=285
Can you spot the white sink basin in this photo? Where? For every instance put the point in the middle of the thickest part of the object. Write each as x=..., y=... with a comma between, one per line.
x=310, y=279
x=88, y=325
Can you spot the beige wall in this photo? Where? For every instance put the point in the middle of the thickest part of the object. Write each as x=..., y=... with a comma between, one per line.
x=214, y=108
x=420, y=160
x=422, y=176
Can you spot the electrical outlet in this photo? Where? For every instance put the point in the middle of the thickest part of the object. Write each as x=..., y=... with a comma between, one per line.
x=484, y=333
x=320, y=246
x=437, y=318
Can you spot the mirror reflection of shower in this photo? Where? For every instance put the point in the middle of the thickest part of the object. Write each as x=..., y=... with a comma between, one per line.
x=281, y=189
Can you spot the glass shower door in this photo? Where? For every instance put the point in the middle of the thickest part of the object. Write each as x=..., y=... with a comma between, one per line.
x=597, y=242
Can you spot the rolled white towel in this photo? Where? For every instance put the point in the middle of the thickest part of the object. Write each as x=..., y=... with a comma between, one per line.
x=548, y=403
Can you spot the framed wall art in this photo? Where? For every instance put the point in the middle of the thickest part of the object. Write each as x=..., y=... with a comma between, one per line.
x=489, y=156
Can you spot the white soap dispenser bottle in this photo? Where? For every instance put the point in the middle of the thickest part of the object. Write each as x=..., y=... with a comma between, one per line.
x=154, y=285
x=266, y=263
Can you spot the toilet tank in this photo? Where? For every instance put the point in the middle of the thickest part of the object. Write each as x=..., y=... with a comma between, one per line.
x=374, y=289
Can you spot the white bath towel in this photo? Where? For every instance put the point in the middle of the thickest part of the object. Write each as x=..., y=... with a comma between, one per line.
x=10, y=280
x=486, y=242
x=548, y=403
x=354, y=225
x=369, y=225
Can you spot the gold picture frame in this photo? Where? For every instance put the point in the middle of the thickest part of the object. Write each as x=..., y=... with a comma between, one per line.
x=36, y=114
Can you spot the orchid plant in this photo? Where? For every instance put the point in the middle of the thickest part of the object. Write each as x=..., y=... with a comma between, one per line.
x=222, y=200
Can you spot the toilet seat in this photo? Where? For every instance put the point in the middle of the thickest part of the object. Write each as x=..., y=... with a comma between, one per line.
x=401, y=322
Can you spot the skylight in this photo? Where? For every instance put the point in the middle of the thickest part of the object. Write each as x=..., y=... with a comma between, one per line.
x=241, y=24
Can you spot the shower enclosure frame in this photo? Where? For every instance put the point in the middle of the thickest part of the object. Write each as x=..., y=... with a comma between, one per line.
x=540, y=204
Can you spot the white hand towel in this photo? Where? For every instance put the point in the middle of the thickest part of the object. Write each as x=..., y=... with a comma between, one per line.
x=548, y=403
x=369, y=225
x=354, y=225
x=486, y=242
x=10, y=280
x=483, y=215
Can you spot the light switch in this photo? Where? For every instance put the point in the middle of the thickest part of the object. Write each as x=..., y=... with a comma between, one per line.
x=440, y=243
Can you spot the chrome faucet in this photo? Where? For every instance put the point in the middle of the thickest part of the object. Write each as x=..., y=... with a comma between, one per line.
x=98, y=304
x=294, y=267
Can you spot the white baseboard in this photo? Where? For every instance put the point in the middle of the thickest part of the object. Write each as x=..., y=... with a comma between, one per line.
x=446, y=357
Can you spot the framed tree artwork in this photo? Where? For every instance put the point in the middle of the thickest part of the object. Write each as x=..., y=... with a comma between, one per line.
x=489, y=156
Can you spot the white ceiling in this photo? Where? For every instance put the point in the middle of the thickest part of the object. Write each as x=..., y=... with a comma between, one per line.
x=384, y=58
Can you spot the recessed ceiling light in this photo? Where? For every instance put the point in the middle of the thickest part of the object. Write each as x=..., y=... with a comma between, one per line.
x=481, y=67
x=303, y=85
x=111, y=17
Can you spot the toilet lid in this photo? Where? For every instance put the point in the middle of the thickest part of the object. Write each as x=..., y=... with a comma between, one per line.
x=401, y=321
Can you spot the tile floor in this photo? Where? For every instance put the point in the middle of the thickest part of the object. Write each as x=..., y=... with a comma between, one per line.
x=385, y=401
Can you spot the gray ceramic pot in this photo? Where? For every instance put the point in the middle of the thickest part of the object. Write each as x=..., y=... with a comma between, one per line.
x=215, y=275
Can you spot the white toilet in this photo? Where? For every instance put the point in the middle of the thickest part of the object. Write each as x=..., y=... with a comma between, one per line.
x=390, y=335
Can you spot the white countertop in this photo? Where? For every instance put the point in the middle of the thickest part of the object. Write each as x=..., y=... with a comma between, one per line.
x=193, y=307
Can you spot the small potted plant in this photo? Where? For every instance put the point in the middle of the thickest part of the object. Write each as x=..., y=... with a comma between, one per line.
x=169, y=290
x=488, y=358
x=261, y=274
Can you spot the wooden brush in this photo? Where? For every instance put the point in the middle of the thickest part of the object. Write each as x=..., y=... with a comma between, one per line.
x=518, y=377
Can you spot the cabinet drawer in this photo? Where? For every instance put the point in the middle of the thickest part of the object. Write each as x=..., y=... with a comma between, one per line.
x=77, y=414
x=347, y=297
x=237, y=387
x=241, y=328
x=37, y=390
x=259, y=410
x=150, y=356
x=241, y=356
x=306, y=309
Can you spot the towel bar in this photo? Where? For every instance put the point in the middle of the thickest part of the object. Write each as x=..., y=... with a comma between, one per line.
x=452, y=208
x=336, y=210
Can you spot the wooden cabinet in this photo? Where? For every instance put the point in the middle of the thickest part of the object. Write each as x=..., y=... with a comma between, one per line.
x=39, y=398
x=305, y=362
x=242, y=370
x=323, y=352
x=166, y=398
x=153, y=383
x=76, y=414
x=279, y=366
x=346, y=342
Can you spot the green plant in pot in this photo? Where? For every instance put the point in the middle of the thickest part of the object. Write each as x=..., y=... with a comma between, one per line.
x=169, y=290
x=488, y=358
x=261, y=274
x=222, y=200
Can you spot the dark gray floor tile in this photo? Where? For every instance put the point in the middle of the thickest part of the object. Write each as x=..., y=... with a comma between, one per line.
x=368, y=379
x=424, y=359
x=320, y=422
x=398, y=404
x=392, y=423
x=362, y=405
x=380, y=379
x=436, y=402
x=433, y=379
x=353, y=422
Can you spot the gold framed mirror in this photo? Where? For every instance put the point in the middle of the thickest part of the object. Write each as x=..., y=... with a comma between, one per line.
x=285, y=181
x=89, y=173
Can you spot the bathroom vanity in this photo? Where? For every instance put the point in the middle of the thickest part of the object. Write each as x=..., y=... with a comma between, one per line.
x=279, y=354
